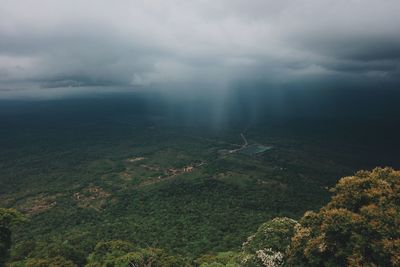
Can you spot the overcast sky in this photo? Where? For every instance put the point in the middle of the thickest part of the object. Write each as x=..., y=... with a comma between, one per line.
x=148, y=43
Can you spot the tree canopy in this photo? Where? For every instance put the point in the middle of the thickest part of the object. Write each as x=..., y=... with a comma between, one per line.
x=8, y=217
x=358, y=227
x=268, y=246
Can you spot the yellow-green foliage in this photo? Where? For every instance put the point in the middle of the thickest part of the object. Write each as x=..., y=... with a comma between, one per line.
x=119, y=253
x=8, y=217
x=222, y=259
x=359, y=227
x=51, y=262
x=106, y=252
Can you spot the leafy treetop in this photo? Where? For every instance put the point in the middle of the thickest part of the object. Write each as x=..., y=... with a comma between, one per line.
x=358, y=227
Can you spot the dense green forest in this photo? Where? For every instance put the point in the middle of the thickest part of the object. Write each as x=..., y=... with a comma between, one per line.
x=97, y=185
x=358, y=227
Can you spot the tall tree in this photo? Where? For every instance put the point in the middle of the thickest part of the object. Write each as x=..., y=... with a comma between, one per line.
x=8, y=217
x=358, y=227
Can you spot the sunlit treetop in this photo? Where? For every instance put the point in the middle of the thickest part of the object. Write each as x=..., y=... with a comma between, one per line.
x=359, y=227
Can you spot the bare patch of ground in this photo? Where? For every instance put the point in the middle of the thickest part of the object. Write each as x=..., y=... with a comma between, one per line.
x=126, y=176
x=91, y=197
x=135, y=159
x=150, y=168
x=38, y=204
x=169, y=173
x=272, y=183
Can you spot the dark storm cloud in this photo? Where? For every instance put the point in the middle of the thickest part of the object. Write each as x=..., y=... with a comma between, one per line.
x=158, y=43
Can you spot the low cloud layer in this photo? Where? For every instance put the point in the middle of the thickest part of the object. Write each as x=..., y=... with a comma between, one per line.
x=156, y=43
